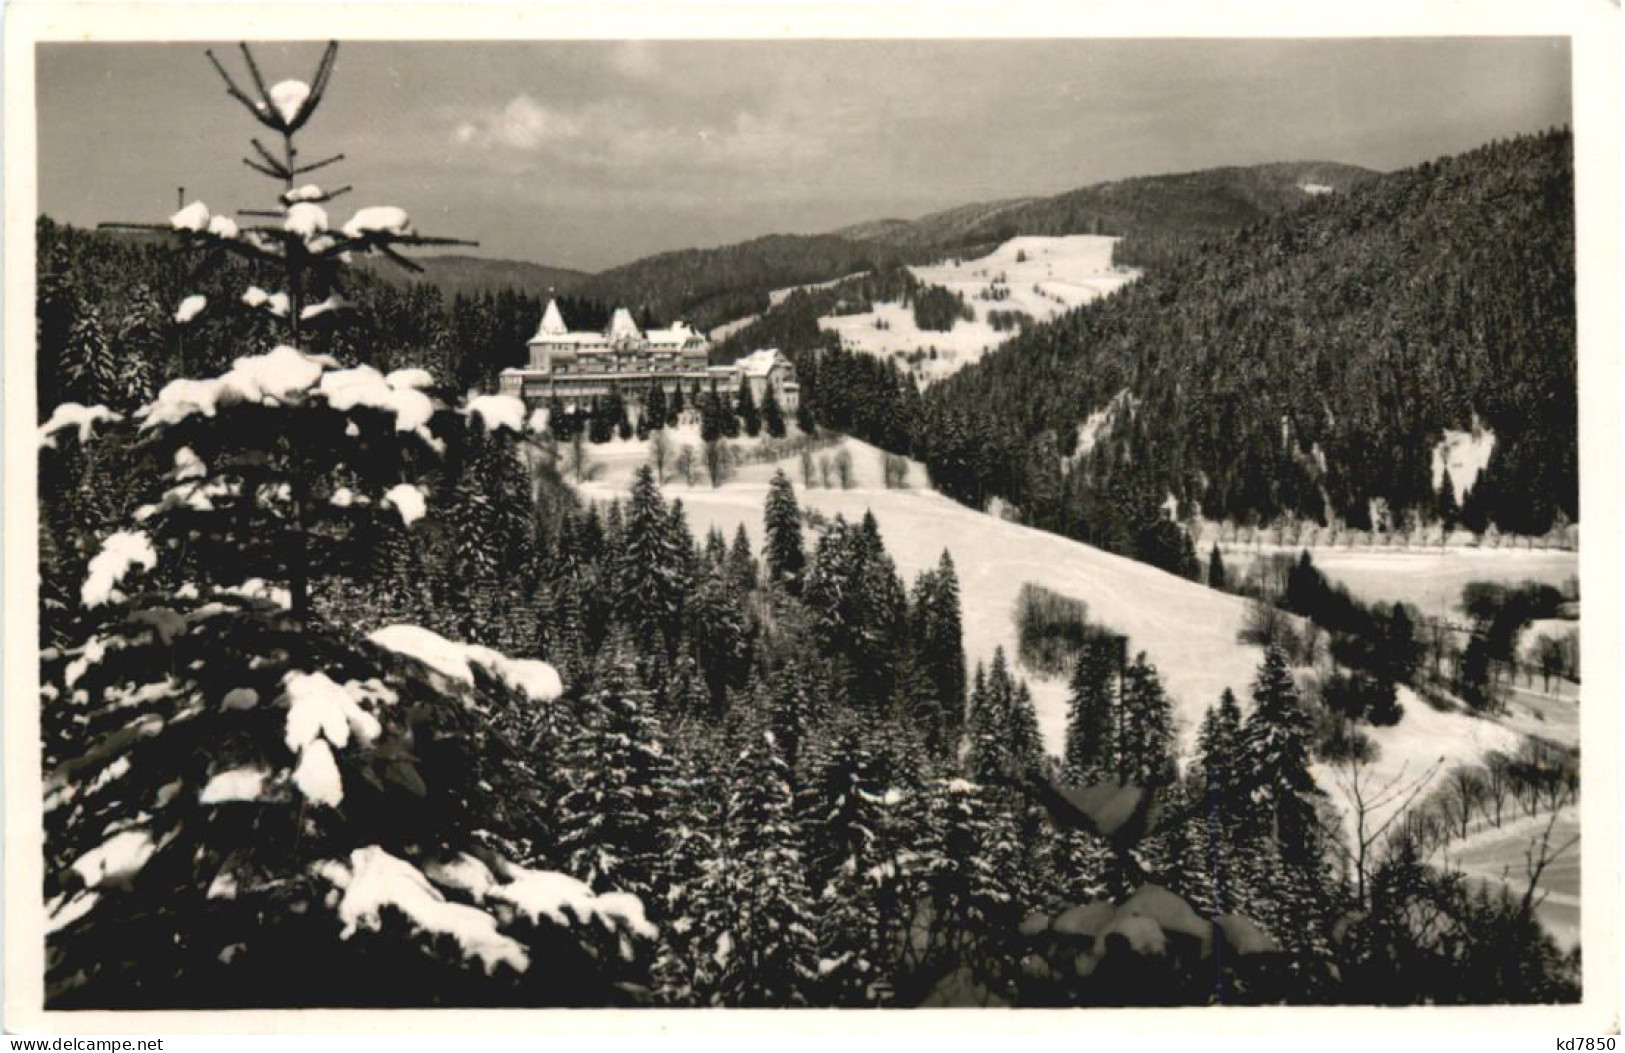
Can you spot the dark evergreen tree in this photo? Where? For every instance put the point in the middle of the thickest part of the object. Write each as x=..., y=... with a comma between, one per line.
x=1215, y=569
x=610, y=819
x=649, y=567
x=764, y=948
x=938, y=638
x=786, y=556
x=1145, y=747
x=742, y=562
x=748, y=413
x=772, y=414
x=1091, y=726
x=1278, y=737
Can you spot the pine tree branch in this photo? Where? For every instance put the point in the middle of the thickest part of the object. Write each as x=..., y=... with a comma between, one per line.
x=400, y=260
x=237, y=93
x=302, y=169
x=269, y=158
x=318, y=87
x=254, y=71
x=256, y=166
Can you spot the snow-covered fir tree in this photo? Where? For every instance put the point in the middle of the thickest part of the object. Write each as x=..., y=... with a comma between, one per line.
x=785, y=553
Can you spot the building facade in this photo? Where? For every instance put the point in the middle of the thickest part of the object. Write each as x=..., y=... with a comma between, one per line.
x=578, y=367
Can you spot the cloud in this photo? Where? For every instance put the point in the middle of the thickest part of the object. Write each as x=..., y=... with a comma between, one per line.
x=523, y=124
x=628, y=133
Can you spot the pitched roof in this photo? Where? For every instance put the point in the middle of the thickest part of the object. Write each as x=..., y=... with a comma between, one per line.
x=622, y=327
x=552, y=321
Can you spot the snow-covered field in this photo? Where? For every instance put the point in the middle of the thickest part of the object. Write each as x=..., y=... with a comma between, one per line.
x=1432, y=579
x=1188, y=631
x=1039, y=276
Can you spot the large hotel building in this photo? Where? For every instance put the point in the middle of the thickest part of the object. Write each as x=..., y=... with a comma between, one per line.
x=577, y=367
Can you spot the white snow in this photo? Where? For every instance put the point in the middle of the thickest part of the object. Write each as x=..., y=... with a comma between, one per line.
x=73, y=415
x=275, y=303
x=259, y=589
x=308, y=192
x=373, y=880
x=344, y=497
x=416, y=379
x=317, y=775
x=238, y=784
x=223, y=227
x=1037, y=276
x=378, y=219
x=334, y=302
x=537, y=680
x=188, y=465
x=305, y=219
x=778, y=296
x=118, y=858
x=433, y=650
x=1429, y=578
x=95, y=650
x=538, y=420
x=122, y=550
x=190, y=308
x=1315, y=189
x=396, y=394
x=1098, y=421
x=465, y=874
x=280, y=374
x=288, y=98
x=194, y=217
x=61, y=915
x=561, y=898
x=498, y=411
x=1465, y=453
x=318, y=708
x=1188, y=632
x=727, y=329
x=408, y=500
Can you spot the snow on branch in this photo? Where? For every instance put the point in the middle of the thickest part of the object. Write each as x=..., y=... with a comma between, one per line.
x=537, y=680
x=74, y=415
x=122, y=550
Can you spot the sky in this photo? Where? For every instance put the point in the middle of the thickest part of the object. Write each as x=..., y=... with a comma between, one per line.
x=591, y=154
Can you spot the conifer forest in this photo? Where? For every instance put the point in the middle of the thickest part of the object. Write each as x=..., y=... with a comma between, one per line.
x=371, y=678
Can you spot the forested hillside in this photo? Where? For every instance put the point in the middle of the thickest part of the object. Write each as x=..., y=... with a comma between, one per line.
x=706, y=287
x=1306, y=367
x=1159, y=215
x=1156, y=214
x=455, y=274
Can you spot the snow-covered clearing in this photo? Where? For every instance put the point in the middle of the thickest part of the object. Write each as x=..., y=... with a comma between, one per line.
x=1037, y=276
x=1465, y=453
x=1188, y=631
x=1432, y=579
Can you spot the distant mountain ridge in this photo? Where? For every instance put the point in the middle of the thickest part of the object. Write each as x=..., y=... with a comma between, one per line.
x=1188, y=206
x=1157, y=215
x=468, y=275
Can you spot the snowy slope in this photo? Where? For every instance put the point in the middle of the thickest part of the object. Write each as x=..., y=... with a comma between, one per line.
x=1187, y=630
x=1039, y=276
